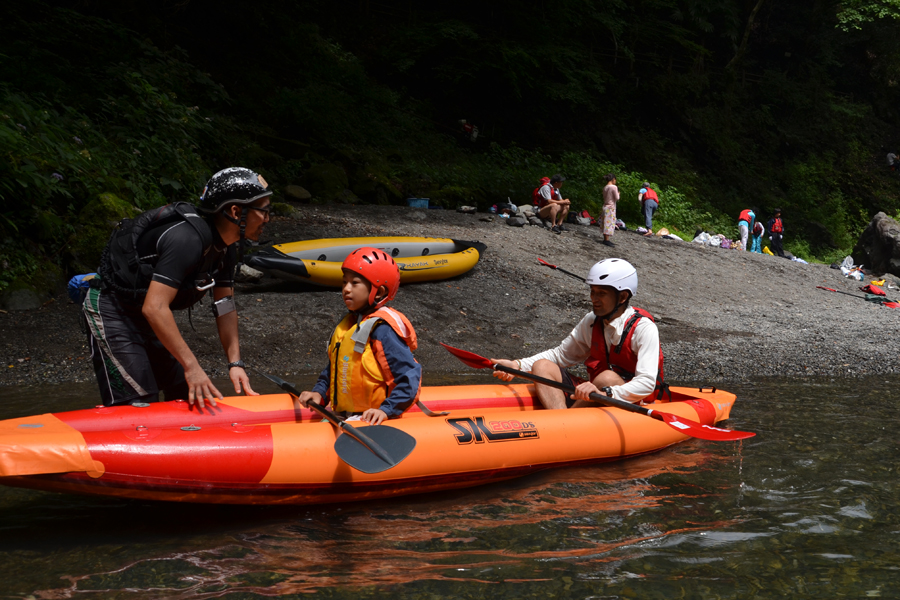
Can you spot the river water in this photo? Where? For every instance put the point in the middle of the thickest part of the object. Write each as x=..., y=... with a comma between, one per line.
x=806, y=509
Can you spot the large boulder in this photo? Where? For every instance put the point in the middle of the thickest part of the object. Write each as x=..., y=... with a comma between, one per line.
x=296, y=193
x=326, y=181
x=34, y=289
x=878, y=248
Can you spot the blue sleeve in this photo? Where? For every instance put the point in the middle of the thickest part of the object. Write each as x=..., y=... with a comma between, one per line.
x=406, y=372
x=324, y=382
x=643, y=191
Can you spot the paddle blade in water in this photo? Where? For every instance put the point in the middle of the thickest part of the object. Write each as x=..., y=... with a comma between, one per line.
x=699, y=430
x=396, y=443
x=469, y=358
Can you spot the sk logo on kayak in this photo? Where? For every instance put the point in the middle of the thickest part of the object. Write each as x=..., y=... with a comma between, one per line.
x=474, y=429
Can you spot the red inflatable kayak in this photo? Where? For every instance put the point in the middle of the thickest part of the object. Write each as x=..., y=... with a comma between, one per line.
x=266, y=450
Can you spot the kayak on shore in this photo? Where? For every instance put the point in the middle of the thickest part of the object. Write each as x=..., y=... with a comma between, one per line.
x=319, y=261
x=268, y=450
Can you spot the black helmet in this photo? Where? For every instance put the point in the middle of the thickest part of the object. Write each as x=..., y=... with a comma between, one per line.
x=235, y=185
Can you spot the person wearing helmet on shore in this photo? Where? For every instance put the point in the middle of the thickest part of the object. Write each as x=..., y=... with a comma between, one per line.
x=164, y=260
x=617, y=343
x=371, y=374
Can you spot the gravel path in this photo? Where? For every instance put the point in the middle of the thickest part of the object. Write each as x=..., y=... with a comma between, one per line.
x=723, y=315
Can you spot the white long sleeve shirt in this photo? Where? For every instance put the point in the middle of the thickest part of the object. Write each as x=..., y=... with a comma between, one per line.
x=576, y=348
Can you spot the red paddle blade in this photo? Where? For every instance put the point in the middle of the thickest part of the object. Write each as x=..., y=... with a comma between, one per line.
x=469, y=358
x=544, y=262
x=699, y=430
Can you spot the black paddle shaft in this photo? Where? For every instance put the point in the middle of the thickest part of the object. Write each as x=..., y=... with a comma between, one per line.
x=568, y=388
x=340, y=423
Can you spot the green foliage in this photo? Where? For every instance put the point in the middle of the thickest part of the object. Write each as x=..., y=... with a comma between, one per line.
x=853, y=14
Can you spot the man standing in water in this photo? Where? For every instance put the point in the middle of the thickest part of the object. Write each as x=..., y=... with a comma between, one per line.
x=618, y=344
x=163, y=260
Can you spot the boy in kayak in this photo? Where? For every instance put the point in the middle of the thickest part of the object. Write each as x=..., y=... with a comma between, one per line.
x=618, y=344
x=371, y=373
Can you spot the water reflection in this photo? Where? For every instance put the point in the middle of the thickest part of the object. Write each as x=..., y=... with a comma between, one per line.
x=806, y=509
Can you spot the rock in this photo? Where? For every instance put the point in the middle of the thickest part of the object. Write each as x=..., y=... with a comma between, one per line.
x=21, y=297
x=282, y=209
x=878, y=248
x=297, y=193
x=326, y=180
x=93, y=227
x=347, y=197
x=247, y=274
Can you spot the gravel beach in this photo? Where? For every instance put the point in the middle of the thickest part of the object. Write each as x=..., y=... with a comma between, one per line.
x=723, y=315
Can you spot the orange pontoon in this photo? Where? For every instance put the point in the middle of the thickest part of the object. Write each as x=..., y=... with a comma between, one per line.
x=266, y=450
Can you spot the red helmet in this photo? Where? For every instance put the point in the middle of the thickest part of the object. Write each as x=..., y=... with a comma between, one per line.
x=378, y=268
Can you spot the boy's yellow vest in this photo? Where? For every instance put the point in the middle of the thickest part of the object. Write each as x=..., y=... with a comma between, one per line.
x=357, y=370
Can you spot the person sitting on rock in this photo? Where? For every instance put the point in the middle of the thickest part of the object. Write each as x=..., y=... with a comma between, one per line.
x=618, y=344
x=371, y=373
x=552, y=206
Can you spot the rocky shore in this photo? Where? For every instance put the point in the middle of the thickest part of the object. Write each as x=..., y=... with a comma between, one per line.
x=723, y=315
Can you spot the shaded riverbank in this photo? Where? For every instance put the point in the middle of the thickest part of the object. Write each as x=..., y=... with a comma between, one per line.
x=723, y=315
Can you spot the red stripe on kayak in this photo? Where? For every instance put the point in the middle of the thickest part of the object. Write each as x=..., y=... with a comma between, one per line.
x=241, y=454
x=165, y=415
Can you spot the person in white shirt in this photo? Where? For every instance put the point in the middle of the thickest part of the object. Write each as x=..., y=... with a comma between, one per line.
x=618, y=344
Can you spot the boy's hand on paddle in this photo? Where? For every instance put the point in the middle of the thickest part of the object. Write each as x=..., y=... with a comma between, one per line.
x=511, y=364
x=373, y=416
x=306, y=397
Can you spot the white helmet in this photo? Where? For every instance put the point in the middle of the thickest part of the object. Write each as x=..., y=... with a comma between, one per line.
x=614, y=272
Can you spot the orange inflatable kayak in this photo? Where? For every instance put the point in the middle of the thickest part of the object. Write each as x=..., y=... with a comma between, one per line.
x=266, y=450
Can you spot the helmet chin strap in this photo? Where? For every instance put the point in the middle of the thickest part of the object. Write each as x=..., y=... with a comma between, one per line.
x=241, y=222
x=615, y=309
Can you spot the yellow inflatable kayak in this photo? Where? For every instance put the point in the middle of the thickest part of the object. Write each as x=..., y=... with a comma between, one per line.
x=319, y=261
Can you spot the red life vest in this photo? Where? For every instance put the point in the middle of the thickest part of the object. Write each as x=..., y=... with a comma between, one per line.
x=622, y=358
x=777, y=227
x=758, y=229
x=650, y=195
x=537, y=199
x=745, y=216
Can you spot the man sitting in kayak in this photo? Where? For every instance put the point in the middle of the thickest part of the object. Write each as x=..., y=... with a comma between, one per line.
x=371, y=373
x=618, y=344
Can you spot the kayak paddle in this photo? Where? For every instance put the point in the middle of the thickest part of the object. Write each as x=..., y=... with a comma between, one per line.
x=561, y=270
x=685, y=426
x=888, y=303
x=378, y=449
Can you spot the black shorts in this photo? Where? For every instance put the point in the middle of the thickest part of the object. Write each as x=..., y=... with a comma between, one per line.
x=131, y=364
x=574, y=381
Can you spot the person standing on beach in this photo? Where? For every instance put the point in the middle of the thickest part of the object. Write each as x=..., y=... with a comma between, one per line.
x=610, y=199
x=649, y=204
x=758, y=232
x=745, y=224
x=776, y=232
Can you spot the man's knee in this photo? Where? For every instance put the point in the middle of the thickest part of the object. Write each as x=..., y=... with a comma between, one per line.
x=608, y=378
x=548, y=369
